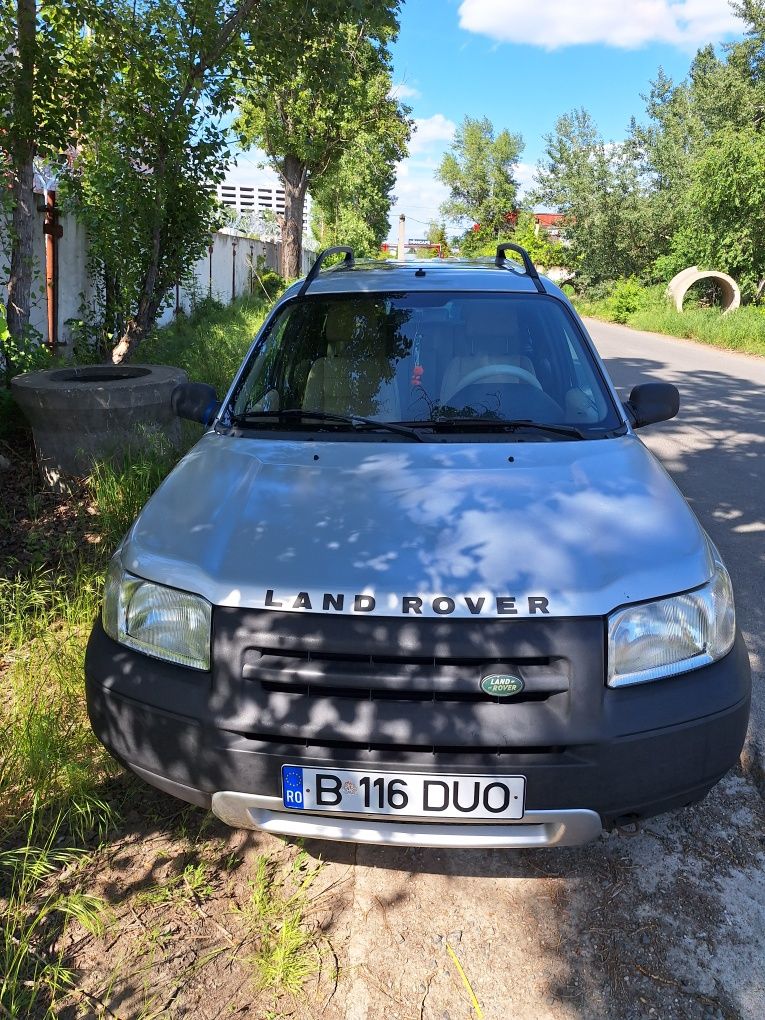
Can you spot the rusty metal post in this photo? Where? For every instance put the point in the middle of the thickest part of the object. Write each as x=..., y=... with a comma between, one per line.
x=210, y=248
x=233, y=271
x=53, y=231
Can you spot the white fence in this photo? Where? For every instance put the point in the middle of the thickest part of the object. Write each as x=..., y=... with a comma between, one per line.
x=225, y=272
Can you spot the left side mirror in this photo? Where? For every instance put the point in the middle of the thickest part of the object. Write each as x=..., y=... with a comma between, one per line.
x=652, y=402
x=195, y=401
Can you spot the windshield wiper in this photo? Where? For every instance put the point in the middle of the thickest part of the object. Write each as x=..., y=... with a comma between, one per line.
x=500, y=425
x=299, y=414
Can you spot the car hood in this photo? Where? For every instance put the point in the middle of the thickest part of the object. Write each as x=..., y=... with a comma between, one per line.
x=566, y=528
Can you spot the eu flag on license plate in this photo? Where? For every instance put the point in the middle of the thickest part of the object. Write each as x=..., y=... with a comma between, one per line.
x=292, y=786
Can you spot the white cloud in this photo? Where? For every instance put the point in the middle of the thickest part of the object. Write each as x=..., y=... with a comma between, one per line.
x=404, y=91
x=525, y=175
x=418, y=192
x=431, y=131
x=556, y=23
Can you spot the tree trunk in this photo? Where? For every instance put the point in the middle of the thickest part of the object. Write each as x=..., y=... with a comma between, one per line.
x=142, y=322
x=295, y=178
x=152, y=291
x=21, y=146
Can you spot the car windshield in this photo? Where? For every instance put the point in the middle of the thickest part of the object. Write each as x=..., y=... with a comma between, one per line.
x=425, y=358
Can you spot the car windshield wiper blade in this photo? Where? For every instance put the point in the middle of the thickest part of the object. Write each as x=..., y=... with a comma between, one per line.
x=500, y=425
x=299, y=414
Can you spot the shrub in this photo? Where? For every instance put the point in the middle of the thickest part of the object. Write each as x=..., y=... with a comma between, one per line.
x=625, y=298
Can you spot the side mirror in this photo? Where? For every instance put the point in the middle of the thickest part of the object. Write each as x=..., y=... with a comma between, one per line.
x=652, y=402
x=195, y=401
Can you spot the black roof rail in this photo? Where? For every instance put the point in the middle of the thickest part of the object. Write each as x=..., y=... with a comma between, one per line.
x=320, y=259
x=528, y=265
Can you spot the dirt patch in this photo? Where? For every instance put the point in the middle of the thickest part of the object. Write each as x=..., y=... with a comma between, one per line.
x=178, y=940
x=668, y=923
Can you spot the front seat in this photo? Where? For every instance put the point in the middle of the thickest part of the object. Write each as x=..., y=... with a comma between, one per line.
x=488, y=339
x=353, y=376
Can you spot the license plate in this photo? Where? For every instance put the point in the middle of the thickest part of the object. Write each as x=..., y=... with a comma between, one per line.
x=407, y=794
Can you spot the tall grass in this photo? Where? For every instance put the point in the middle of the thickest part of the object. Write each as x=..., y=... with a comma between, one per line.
x=741, y=330
x=210, y=344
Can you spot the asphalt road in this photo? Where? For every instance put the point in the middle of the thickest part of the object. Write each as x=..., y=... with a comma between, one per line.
x=715, y=451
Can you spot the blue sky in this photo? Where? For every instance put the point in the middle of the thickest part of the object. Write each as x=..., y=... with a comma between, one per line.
x=522, y=63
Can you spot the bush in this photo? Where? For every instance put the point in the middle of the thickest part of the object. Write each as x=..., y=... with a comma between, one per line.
x=625, y=298
x=272, y=283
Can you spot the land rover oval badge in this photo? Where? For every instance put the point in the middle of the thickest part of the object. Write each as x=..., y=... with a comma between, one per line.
x=502, y=685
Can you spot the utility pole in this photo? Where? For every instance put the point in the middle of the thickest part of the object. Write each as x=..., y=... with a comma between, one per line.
x=401, y=237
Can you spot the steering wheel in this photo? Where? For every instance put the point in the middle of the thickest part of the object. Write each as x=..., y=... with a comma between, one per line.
x=488, y=370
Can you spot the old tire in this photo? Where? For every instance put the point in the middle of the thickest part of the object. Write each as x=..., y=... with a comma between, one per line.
x=96, y=412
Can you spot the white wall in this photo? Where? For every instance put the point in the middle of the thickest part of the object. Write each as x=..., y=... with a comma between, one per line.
x=225, y=273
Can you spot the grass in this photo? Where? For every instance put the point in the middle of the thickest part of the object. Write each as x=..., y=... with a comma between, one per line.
x=285, y=949
x=54, y=813
x=192, y=884
x=741, y=330
x=210, y=344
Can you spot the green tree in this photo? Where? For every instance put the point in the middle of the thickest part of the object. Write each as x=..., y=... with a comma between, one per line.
x=543, y=249
x=50, y=74
x=437, y=236
x=479, y=173
x=351, y=203
x=312, y=92
x=143, y=181
x=598, y=188
x=724, y=226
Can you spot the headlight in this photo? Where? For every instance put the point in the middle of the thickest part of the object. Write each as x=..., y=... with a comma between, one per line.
x=671, y=636
x=159, y=621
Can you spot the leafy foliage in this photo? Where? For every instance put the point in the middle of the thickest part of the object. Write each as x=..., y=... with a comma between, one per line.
x=724, y=227
x=317, y=100
x=598, y=189
x=479, y=173
x=351, y=202
x=686, y=187
x=625, y=299
x=153, y=149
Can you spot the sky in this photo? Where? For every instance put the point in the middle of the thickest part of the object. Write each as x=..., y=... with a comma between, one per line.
x=522, y=63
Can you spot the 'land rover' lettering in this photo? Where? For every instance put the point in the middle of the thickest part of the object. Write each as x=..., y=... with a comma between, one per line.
x=416, y=605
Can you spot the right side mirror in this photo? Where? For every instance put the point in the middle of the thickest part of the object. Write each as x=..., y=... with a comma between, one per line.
x=652, y=402
x=195, y=401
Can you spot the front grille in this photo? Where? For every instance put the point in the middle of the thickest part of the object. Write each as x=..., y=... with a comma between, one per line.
x=414, y=679
x=389, y=683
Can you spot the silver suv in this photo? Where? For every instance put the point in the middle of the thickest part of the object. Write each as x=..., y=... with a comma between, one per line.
x=420, y=582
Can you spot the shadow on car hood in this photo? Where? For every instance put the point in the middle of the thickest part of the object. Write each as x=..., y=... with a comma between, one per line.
x=568, y=528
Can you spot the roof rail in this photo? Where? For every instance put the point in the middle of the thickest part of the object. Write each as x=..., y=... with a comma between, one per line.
x=528, y=265
x=320, y=259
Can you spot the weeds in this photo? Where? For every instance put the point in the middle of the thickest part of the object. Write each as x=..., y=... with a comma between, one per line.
x=192, y=884
x=210, y=344
x=274, y=917
x=32, y=972
x=120, y=490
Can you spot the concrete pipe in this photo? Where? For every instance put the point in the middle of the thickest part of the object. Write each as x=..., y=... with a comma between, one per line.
x=679, y=285
x=84, y=414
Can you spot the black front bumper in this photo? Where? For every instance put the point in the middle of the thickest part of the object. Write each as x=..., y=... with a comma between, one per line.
x=655, y=747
